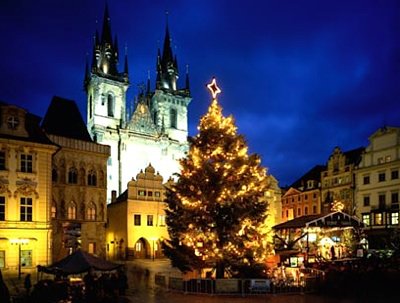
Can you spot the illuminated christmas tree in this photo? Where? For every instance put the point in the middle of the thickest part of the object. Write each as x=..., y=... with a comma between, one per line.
x=216, y=213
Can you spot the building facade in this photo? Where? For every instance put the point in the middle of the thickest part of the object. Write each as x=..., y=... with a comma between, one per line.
x=136, y=219
x=378, y=186
x=338, y=180
x=304, y=196
x=25, y=191
x=78, y=180
x=153, y=131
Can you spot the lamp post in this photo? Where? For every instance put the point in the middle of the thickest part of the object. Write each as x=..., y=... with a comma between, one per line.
x=19, y=242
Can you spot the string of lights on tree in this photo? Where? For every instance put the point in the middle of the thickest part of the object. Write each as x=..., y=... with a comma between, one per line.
x=216, y=212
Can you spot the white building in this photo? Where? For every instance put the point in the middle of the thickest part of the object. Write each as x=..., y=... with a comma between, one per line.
x=378, y=186
x=155, y=131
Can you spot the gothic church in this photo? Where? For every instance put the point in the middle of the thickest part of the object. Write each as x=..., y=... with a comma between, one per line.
x=155, y=131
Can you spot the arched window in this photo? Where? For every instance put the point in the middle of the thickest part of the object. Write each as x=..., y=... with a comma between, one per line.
x=110, y=105
x=91, y=212
x=71, y=211
x=53, y=210
x=73, y=175
x=173, y=118
x=91, y=178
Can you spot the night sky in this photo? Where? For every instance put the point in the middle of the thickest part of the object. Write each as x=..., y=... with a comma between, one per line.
x=300, y=77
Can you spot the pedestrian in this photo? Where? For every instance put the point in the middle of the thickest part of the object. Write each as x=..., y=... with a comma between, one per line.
x=28, y=284
x=4, y=293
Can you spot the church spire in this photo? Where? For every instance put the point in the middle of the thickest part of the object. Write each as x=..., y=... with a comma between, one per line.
x=106, y=54
x=106, y=36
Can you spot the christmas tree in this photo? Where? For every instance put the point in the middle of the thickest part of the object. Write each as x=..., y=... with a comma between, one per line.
x=216, y=214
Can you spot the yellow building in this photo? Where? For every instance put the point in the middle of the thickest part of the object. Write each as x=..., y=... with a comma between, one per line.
x=338, y=181
x=25, y=191
x=79, y=170
x=136, y=219
x=304, y=196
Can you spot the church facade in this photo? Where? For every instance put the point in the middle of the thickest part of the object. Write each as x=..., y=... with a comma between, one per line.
x=155, y=131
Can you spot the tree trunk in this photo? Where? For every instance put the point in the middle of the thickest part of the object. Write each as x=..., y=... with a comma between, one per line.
x=220, y=269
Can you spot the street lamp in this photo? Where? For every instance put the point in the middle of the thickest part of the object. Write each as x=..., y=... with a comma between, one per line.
x=19, y=242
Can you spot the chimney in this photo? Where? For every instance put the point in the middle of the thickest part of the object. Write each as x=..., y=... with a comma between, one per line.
x=113, y=196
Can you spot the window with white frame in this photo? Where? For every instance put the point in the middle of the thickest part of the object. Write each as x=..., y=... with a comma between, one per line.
x=394, y=218
x=26, y=163
x=26, y=209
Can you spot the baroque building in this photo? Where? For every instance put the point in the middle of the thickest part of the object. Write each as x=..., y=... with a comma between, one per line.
x=25, y=191
x=136, y=219
x=78, y=180
x=154, y=131
x=378, y=186
x=338, y=180
x=303, y=197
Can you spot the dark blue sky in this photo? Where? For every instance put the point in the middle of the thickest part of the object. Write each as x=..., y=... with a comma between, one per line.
x=300, y=77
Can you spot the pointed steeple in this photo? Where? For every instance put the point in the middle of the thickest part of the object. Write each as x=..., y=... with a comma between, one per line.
x=116, y=52
x=126, y=72
x=167, y=50
x=106, y=36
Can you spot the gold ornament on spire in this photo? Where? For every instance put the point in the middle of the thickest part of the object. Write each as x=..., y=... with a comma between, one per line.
x=214, y=89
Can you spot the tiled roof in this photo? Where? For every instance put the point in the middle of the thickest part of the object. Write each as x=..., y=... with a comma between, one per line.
x=298, y=222
x=64, y=119
x=313, y=174
x=32, y=126
x=354, y=156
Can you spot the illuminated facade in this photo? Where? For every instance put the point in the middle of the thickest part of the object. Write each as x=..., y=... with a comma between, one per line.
x=378, y=186
x=25, y=191
x=304, y=196
x=136, y=219
x=153, y=131
x=78, y=170
x=338, y=180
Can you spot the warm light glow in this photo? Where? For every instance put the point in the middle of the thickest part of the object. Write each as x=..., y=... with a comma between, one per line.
x=19, y=241
x=214, y=89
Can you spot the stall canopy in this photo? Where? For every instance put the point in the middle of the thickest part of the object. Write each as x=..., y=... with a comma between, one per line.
x=334, y=219
x=78, y=262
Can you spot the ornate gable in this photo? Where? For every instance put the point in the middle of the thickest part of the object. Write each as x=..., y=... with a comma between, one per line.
x=141, y=121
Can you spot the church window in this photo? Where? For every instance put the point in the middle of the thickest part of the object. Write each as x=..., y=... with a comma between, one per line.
x=92, y=179
x=26, y=209
x=110, y=105
x=72, y=176
x=142, y=193
x=155, y=116
x=91, y=212
x=157, y=194
x=173, y=118
x=26, y=163
x=2, y=160
x=71, y=211
x=150, y=193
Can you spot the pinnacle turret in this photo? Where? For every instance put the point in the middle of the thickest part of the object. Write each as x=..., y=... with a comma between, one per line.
x=106, y=54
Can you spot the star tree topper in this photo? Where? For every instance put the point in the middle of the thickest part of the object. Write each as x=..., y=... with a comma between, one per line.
x=214, y=89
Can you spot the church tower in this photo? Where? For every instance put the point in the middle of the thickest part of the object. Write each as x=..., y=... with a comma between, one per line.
x=169, y=104
x=106, y=96
x=154, y=132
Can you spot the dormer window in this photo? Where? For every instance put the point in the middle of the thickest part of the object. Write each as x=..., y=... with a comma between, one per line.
x=12, y=122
